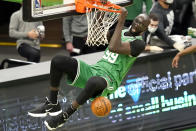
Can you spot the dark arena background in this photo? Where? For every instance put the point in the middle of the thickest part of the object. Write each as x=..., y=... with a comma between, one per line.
x=153, y=96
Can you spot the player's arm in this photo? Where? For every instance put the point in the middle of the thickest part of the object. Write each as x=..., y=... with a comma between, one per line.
x=115, y=44
x=186, y=51
x=134, y=48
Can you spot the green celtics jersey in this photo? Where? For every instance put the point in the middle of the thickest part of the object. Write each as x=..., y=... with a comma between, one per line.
x=116, y=65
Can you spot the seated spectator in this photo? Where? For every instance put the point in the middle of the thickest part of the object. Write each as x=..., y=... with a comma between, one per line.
x=75, y=30
x=153, y=30
x=28, y=35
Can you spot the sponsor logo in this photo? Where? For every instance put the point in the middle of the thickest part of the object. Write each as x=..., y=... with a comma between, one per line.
x=47, y=110
x=37, y=3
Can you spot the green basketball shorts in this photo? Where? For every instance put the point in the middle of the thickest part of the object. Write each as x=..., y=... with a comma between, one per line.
x=85, y=71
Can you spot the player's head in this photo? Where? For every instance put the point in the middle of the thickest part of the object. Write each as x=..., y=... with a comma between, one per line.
x=139, y=25
x=154, y=23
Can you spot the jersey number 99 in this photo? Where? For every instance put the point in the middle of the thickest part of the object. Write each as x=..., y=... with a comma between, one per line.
x=110, y=56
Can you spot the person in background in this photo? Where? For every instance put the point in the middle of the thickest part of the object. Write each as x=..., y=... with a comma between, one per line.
x=194, y=14
x=152, y=31
x=137, y=8
x=28, y=35
x=75, y=30
x=186, y=51
x=162, y=9
x=184, y=16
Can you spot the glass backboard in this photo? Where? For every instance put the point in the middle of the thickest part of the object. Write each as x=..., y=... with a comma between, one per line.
x=35, y=10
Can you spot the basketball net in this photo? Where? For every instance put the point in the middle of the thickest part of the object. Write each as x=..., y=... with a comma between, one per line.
x=100, y=18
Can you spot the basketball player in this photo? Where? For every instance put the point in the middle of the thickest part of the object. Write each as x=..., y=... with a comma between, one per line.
x=100, y=79
x=186, y=51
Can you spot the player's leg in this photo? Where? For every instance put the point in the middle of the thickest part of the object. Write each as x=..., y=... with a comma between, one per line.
x=59, y=65
x=94, y=87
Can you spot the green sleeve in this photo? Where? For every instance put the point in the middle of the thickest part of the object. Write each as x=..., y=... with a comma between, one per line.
x=134, y=10
x=137, y=7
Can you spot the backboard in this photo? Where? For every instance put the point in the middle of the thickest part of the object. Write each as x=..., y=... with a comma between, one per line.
x=42, y=10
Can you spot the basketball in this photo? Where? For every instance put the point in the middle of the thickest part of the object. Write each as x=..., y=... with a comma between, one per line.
x=101, y=106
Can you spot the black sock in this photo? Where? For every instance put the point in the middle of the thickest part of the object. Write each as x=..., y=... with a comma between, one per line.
x=53, y=97
x=70, y=110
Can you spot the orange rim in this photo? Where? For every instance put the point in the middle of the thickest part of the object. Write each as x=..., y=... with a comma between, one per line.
x=82, y=4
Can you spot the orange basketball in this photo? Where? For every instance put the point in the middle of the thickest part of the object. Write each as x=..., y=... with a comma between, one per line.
x=101, y=106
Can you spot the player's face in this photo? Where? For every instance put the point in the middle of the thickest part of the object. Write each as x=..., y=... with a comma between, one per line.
x=140, y=24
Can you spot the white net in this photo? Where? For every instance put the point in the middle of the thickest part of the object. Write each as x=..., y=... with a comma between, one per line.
x=99, y=23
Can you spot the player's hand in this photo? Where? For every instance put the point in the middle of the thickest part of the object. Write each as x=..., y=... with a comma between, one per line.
x=33, y=34
x=69, y=46
x=124, y=13
x=175, y=61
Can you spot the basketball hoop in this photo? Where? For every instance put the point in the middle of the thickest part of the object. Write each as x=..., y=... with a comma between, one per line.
x=100, y=18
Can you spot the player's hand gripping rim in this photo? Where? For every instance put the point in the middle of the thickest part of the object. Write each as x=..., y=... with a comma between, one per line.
x=123, y=13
